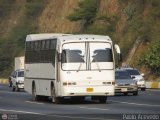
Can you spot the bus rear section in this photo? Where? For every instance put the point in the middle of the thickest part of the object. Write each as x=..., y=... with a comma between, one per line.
x=87, y=69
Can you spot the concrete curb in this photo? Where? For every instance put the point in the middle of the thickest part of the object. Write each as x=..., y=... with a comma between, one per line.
x=3, y=81
x=155, y=85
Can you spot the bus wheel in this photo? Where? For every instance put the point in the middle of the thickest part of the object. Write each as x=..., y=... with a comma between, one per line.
x=125, y=94
x=13, y=88
x=102, y=99
x=34, y=94
x=17, y=89
x=135, y=93
x=53, y=95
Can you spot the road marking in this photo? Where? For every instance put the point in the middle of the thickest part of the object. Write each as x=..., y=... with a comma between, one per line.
x=64, y=116
x=34, y=102
x=134, y=103
x=94, y=108
x=3, y=91
x=80, y=117
x=11, y=92
x=21, y=111
x=20, y=92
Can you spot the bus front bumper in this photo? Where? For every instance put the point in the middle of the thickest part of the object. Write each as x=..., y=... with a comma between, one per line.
x=89, y=91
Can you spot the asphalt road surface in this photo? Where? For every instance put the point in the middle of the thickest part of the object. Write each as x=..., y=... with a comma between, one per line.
x=19, y=106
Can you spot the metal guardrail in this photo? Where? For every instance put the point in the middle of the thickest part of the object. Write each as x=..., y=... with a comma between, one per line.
x=154, y=85
x=3, y=81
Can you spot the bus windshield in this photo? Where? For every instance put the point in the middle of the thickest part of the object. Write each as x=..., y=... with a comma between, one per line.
x=71, y=56
x=87, y=56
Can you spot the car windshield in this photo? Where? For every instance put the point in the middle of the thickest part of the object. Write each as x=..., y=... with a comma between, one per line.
x=133, y=72
x=21, y=74
x=122, y=75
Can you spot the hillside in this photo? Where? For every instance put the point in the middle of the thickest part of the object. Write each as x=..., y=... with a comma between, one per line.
x=133, y=24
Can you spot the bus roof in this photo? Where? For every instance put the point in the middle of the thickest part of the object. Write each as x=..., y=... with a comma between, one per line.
x=85, y=37
x=32, y=37
x=67, y=37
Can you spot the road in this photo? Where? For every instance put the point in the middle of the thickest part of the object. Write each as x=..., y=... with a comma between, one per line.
x=19, y=105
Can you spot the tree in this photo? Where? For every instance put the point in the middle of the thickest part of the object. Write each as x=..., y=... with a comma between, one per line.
x=152, y=58
x=86, y=10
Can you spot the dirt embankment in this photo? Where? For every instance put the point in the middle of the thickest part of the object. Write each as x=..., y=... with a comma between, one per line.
x=53, y=18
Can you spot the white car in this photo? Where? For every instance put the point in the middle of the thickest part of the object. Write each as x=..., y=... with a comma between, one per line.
x=17, y=80
x=134, y=73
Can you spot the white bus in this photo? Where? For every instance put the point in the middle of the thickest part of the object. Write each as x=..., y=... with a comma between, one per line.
x=74, y=66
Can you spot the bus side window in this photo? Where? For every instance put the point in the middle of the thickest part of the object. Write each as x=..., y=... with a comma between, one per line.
x=63, y=58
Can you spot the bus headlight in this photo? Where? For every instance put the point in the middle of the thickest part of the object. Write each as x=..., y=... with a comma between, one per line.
x=69, y=83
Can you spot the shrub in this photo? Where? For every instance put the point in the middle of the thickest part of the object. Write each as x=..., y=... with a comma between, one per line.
x=151, y=59
x=5, y=7
x=34, y=7
x=86, y=10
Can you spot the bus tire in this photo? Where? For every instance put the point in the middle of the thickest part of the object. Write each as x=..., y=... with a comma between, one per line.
x=53, y=95
x=17, y=89
x=77, y=99
x=135, y=93
x=102, y=99
x=125, y=94
x=143, y=89
x=34, y=94
x=13, y=88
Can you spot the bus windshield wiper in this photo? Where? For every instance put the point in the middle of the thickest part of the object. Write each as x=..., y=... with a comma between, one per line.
x=97, y=64
x=80, y=65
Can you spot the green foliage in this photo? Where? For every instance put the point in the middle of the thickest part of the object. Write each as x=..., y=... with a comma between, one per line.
x=86, y=10
x=5, y=55
x=129, y=11
x=106, y=26
x=5, y=7
x=94, y=29
x=155, y=3
x=152, y=58
x=14, y=43
x=34, y=7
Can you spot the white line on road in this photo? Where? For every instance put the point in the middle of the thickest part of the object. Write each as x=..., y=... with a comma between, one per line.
x=80, y=117
x=134, y=103
x=20, y=111
x=17, y=92
x=11, y=92
x=34, y=102
x=94, y=108
x=64, y=116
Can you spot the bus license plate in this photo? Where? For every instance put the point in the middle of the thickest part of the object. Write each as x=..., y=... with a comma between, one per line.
x=89, y=89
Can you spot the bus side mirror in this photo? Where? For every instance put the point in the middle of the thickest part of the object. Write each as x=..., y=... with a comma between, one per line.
x=142, y=74
x=117, y=48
